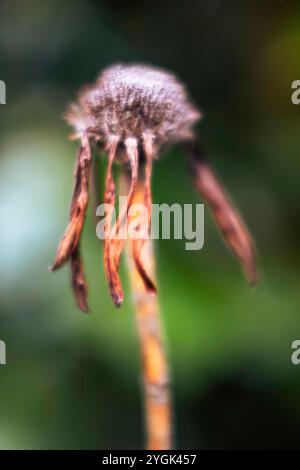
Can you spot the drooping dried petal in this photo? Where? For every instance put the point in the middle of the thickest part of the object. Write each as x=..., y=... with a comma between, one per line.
x=137, y=245
x=110, y=267
x=79, y=204
x=132, y=154
x=149, y=153
x=78, y=280
x=226, y=216
x=114, y=243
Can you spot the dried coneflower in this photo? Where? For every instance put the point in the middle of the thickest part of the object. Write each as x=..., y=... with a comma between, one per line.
x=134, y=112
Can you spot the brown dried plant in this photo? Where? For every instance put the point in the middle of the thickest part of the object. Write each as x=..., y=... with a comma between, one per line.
x=134, y=112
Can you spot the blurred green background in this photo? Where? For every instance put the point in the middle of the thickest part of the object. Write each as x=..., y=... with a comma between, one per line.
x=72, y=381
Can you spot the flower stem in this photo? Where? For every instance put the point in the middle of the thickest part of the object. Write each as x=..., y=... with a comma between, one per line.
x=155, y=373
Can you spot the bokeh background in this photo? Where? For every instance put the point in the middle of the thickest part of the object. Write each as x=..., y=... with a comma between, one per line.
x=72, y=381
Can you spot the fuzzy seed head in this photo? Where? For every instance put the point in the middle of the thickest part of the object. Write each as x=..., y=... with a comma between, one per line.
x=128, y=101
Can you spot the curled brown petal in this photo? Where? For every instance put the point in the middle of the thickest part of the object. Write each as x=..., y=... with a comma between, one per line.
x=115, y=243
x=132, y=154
x=138, y=244
x=79, y=204
x=78, y=280
x=110, y=267
x=226, y=216
x=149, y=152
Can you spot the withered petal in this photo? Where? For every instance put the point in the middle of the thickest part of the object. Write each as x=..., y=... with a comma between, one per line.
x=149, y=152
x=111, y=270
x=143, y=192
x=78, y=208
x=132, y=153
x=78, y=280
x=137, y=246
x=114, y=244
x=225, y=214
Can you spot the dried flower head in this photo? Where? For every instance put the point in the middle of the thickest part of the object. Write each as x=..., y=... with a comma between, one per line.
x=129, y=101
x=134, y=112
